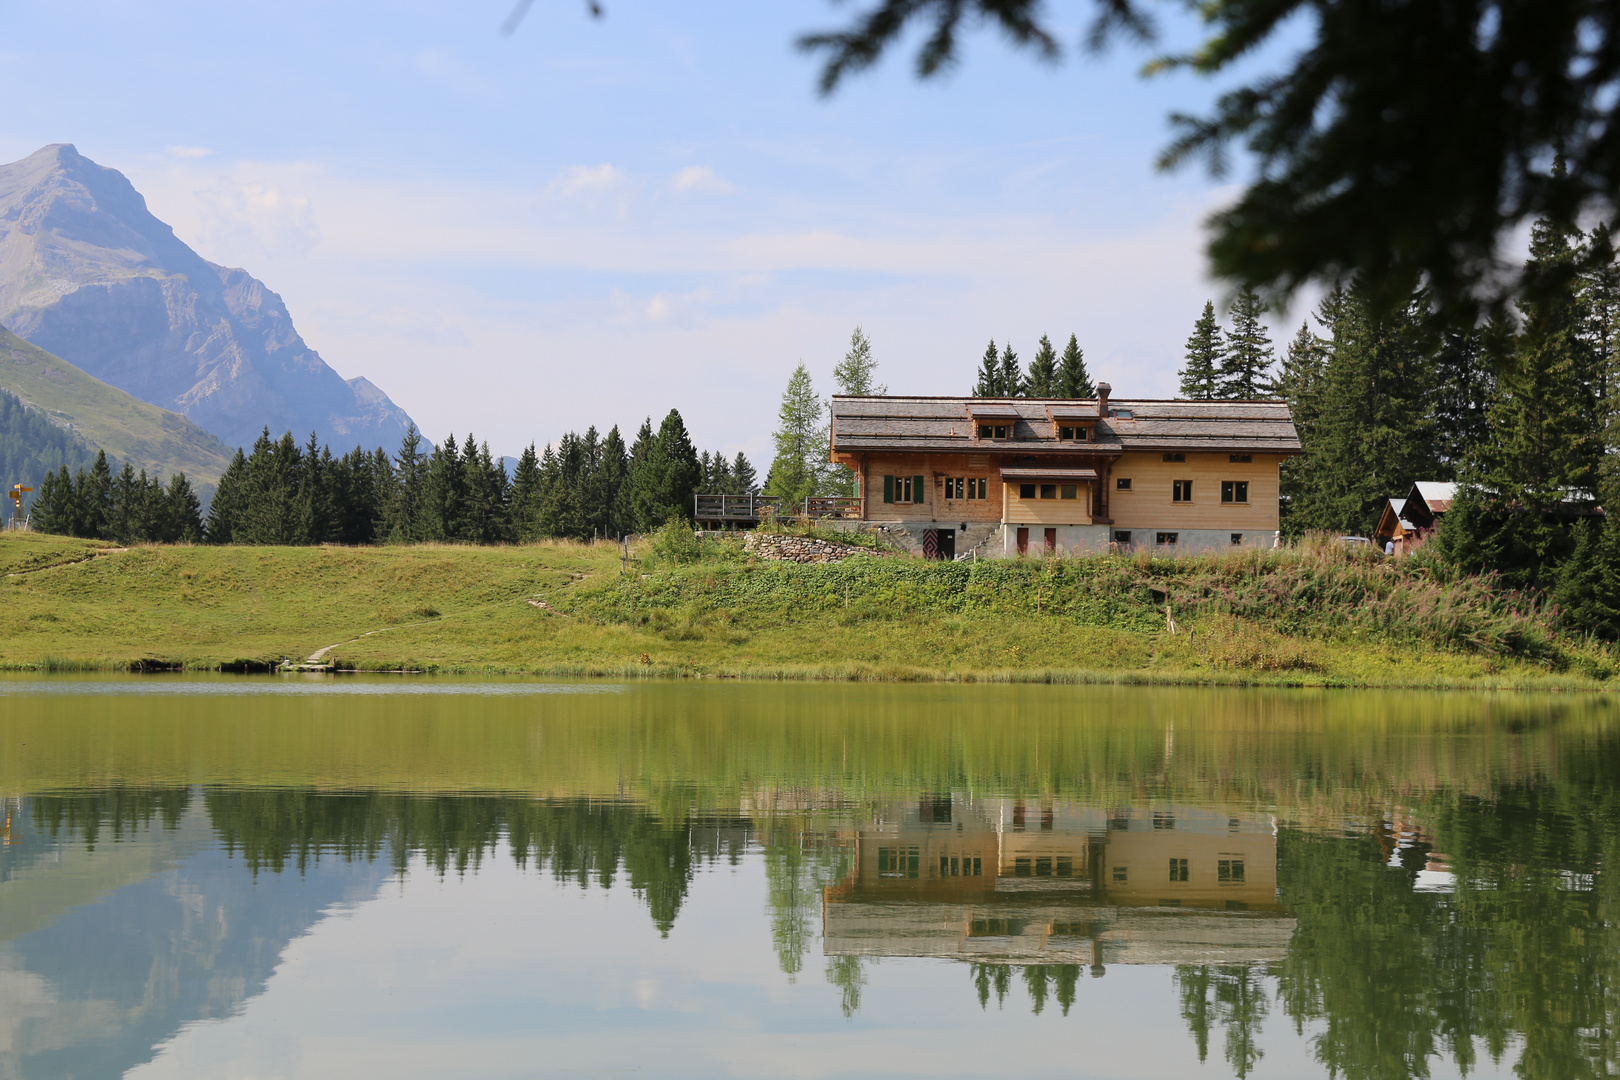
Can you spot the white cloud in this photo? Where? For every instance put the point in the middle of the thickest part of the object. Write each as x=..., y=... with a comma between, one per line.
x=702, y=178
x=588, y=180
x=256, y=217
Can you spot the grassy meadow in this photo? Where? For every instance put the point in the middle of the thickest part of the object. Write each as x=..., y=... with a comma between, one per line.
x=1308, y=616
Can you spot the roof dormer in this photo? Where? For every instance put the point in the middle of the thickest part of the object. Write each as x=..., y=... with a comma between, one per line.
x=1073, y=422
x=992, y=420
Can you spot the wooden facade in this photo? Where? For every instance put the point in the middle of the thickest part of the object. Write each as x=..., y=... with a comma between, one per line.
x=1082, y=474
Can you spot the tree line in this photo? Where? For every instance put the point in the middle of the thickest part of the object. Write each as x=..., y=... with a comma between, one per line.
x=1048, y=375
x=281, y=492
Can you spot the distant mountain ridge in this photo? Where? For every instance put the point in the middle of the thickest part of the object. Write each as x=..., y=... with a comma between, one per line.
x=89, y=274
x=150, y=438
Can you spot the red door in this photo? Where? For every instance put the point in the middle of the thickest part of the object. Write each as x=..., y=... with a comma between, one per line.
x=1023, y=541
x=1051, y=541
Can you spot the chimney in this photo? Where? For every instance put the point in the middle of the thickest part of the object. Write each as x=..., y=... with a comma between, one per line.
x=1103, y=390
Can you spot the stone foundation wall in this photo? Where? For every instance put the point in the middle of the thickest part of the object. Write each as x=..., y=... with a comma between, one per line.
x=799, y=549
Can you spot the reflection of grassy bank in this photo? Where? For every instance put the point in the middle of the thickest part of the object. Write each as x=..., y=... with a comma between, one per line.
x=1314, y=617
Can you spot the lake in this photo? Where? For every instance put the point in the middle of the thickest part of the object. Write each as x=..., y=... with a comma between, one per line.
x=287, y=876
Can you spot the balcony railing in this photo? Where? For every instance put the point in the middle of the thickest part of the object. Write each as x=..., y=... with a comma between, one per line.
x=760, y=507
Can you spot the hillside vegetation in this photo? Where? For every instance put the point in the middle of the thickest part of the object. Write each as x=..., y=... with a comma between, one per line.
x=150, y=438
x=1312, y=616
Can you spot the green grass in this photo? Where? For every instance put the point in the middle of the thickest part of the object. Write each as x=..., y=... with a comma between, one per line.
x=150, y=438
x=1313, y=616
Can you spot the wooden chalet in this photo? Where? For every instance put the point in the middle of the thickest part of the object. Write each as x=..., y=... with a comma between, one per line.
x=1408, y=522
x=1032, y=475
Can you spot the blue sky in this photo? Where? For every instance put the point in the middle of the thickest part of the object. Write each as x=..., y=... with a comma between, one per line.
x=590, y=221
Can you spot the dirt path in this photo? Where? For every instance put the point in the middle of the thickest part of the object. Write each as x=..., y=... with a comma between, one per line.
x=69, y=562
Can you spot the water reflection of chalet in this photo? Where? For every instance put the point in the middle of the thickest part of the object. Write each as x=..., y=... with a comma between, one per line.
x=1005, y=881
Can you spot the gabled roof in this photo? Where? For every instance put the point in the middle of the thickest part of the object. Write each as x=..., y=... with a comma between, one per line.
x=1436, y=494
x=944, y=424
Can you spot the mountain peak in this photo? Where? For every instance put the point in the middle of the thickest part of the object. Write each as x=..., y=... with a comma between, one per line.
x=89, y=274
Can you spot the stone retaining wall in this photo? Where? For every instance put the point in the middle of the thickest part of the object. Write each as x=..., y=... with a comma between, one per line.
x=799, y=549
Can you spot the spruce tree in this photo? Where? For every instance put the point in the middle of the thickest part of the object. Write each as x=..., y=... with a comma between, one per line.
x=800, y=440
x=631, y=499
x=1010, y=377
x=743, y=475
x=989, y=384
x=182, y=512
x=1042, y=381
x=615, y=475
x=444, y=493
x=1073, y=380
x=50, y=513
x=671, y=476
x=1200, y=378
x=1464, y=383
x=405, y=507
x=1247, y=360
x=525, y=503
x=225, y=508
x=854, y=373
x=95, y=500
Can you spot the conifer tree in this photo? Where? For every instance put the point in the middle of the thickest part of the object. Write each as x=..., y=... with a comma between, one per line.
x=672, y=476
x=1073, y=380
x=51, y=512
x=744, y=476
x=182, y=513
x=800, y=441
x=1010, y=377
x=615, y=474
x=1369, y=431
x=989, y=384
x=854, y=373
x=95, y=498
x=405, y=506
x=1248, y=357
x=444, y=492
x=1200, y=378
x=1464, y=383
x=1042, y=381
x=630, y=498
x=525, y=503
x=224, y=509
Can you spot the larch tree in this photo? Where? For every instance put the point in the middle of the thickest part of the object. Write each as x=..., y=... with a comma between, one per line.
x=800, y=442
x=1073, y=380
x=1042, y=379
x=1200, y=378
x=854, y=373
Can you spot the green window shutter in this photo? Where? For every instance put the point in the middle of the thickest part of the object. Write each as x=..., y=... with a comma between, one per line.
x=917, y=490
x=888, y=489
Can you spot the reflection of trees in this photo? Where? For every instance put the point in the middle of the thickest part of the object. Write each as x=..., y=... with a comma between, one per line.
x=1232, y=997
x=583, y=840
x=1524, y=950
x=120, y=810
x=1058, y=981
x=797, y=869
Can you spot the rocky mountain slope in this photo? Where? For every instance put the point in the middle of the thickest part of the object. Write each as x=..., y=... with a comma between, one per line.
x=89, y=274
x=150, y=438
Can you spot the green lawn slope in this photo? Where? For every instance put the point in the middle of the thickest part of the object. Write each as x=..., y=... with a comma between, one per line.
x=1287, y=618
x=150, y=438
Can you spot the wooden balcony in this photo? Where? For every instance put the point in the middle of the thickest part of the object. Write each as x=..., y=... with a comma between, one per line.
x=735, y=508
x=841, y=507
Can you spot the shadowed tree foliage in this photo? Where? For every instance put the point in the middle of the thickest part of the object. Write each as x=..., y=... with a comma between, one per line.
x=1200, y=378
x=1073, y=380
x=1401, y=144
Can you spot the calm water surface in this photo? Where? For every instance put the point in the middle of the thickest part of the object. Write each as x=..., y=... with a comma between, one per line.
x=280, y=877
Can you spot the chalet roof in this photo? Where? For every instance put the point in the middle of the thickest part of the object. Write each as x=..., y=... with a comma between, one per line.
x=1436, y=495
x=945, y=424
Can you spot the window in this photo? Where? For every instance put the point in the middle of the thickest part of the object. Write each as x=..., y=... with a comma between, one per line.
x=1175, y=457
x=903, y=489
x=955, y=488
x=1163, y=820
x=1078, y=434
x=1234, y=491
x=1237, y=539
x=995, y=431
x=1229, y=871
x=1122, y=536
x=1122, y=484
x=981, y=494
x=1069, y=491
x=1120, y=873
x=1026, y=491
x=1181, y=491
x=1123, y=414
x=1165, y=538
x=898, y=862
x=1043, y=866
x=1065, y=866
x=1048, y=491
x=1241, y=459
x=1178, y=869
x=1022, y=867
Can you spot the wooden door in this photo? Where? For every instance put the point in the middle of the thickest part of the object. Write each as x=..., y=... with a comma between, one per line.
x=1051, y=541
x=1023, y=541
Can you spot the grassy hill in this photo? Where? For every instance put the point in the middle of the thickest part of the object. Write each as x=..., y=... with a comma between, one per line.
x=1284, y=618
x=150, y=438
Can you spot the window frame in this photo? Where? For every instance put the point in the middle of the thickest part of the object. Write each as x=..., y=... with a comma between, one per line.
x=1070, y=492
x=1240, y=459
x=1122, y=536
x=1122, y=483
x=1234, y=493
x=1048, y=491
x=1167, y=539
x=1181, y=491
x=1026, y=492
x=1176, y=457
